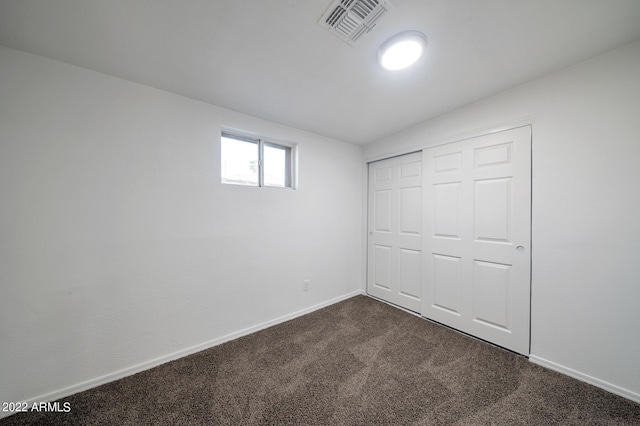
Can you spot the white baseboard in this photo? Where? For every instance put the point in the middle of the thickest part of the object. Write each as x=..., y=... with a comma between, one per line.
x=633, y=396
x=129, y=371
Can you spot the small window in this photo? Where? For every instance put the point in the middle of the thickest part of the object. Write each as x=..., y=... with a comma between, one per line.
x=255, y=162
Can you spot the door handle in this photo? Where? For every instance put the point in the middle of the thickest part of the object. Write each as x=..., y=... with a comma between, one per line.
x=520, y=248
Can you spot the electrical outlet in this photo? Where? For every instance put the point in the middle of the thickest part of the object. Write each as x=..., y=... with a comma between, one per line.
x=305, y=285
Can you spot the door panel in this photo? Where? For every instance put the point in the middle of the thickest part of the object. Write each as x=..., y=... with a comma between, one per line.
x=382, y=267
x=492, y=210
x=477, y=221
x=446, y=285
x=394, y=271
x=446, y=210
x=410, y=209
x=410, y=272
x=382, y=210
x=491, y=291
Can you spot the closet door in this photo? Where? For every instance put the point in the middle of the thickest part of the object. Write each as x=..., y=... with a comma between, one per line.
x=477, y=244
x=394, y=253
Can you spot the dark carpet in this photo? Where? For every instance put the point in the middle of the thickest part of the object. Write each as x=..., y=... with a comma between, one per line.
x=358, y=362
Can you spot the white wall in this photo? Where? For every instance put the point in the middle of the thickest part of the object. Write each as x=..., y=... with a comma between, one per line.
x=119, y=247
x=586, y=210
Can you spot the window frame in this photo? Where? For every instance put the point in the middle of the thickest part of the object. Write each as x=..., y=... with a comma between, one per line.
x=291, y=152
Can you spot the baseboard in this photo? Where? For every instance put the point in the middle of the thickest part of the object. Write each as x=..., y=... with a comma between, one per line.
x=625, y=393
x=89, y=384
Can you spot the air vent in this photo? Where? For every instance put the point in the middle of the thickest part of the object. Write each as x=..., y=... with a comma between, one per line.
x=351, y=20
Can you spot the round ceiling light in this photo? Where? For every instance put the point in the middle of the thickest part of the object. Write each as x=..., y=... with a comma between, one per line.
x=402, y=50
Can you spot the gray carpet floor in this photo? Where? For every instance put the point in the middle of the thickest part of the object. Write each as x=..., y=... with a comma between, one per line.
x=358, y=362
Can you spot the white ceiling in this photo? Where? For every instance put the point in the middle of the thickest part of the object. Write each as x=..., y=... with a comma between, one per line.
x=271, y=59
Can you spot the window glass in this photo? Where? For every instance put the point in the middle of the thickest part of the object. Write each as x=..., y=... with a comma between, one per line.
x=277, y=169
x=239, y=161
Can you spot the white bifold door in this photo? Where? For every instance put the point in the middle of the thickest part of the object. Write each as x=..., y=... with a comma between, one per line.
x=477, y=237
x=394, y=270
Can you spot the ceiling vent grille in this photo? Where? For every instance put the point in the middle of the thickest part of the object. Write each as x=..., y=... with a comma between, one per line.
x=351, y=20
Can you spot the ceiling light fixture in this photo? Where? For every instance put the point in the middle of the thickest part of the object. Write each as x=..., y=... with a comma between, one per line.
x=402, y=50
